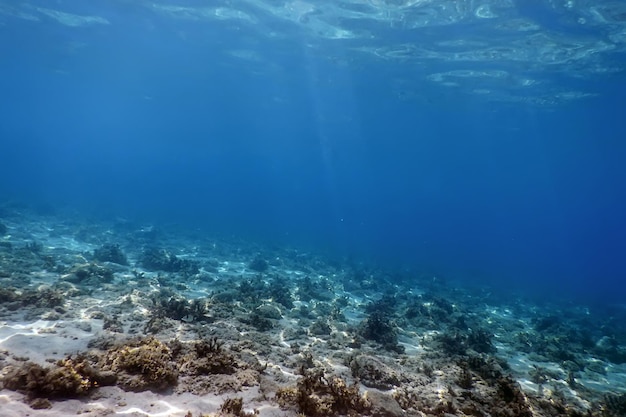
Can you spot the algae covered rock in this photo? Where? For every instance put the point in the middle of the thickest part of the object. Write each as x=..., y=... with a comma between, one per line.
x=142, y=365
x=68, y=378
x=319, y=395
x=373, y=373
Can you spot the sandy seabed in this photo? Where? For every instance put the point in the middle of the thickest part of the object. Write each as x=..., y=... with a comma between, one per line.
x=102, y=318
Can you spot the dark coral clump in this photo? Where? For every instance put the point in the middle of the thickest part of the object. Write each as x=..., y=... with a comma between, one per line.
x=512, y=400
x=258, y=264
x=253, y=290
x=279, y=290
x=258, y=321
x=318, y=395
x=378, y=327
x=166, y=303
x=385, y=305
x=431, y=312
x=89, y=274
x=110, y=253
x=8, y=295
x=320, y=327
x=43, y=297
x=164, y=260
x=458, y=343
x=481, y=341
x=614, y=405
x=233, y=407
x=320, y=290
x=211, y=358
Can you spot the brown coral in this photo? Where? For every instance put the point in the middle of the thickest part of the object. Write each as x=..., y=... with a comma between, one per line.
x=318, y=395
x=143, y=365
x=69, y=378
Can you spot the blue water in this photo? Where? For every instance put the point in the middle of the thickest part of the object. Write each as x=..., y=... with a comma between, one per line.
x=305, y=140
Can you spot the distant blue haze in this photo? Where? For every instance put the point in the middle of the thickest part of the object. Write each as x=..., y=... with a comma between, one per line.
x=317, y=154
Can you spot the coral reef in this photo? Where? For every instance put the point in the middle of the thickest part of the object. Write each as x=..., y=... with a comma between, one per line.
x=162, y=260
x=373, y=373
x=320, y=290
x=166, y=303
x=68, y=378
x=614, y=405
x=338, y=323
x=233, y=407
x=43, y=297
x=258, y=264
x=252, y=291
x=146, y=364
x=258, y=321
x=89, y=274
x=378, y=327
x=209, y=358
x=318, y=395
x=320, y=327
x=480, y=341
x=280, y=291
x=110, y=253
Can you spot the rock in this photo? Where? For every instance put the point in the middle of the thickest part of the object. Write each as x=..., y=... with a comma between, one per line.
x=373, y=373
x=384, y=405
x=269, y=312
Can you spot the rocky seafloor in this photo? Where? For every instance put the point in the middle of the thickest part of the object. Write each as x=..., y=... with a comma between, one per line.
x=108, y=317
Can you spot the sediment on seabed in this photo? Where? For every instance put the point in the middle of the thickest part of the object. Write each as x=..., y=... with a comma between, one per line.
x=115, y=317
